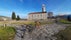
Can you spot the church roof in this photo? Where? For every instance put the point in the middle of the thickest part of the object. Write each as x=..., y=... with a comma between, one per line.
x=37, y=12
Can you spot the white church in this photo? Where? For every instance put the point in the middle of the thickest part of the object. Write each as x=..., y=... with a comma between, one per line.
x=38, y=15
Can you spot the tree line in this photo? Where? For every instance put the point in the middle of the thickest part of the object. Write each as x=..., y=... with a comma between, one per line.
x=14, y=17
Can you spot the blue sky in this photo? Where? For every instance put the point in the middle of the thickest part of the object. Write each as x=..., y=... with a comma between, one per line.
x=23, y=7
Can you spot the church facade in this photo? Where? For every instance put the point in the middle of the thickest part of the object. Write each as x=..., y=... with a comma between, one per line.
x=38, y=15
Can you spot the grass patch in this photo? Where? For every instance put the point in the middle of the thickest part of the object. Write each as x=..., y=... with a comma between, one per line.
x=46, y=22
x=7, y=33
x=64, y=34
x=65, y=21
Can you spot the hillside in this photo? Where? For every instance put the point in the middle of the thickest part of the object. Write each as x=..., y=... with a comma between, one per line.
x=4, y=18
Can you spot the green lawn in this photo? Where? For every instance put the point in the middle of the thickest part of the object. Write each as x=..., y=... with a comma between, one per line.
x=7, y=33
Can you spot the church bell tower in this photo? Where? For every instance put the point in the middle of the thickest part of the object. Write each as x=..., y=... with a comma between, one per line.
x=43, y=8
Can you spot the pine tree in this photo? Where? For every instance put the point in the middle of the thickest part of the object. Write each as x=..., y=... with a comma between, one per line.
x=18, y=18
x=13, y=16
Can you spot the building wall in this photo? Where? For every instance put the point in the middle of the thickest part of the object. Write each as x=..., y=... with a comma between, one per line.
x=37, y=16
x=50, y=14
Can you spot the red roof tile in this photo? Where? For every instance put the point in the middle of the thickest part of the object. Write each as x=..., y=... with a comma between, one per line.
x=37, y=12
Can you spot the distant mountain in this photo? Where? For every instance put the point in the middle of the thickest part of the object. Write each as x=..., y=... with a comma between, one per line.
x=4, y=18
x=63, y=16
x=67, y=16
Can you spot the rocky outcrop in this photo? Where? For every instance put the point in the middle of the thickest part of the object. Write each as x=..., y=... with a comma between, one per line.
x=46, y=32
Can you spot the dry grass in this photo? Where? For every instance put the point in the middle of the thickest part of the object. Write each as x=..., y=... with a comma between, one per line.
x=16, y=22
